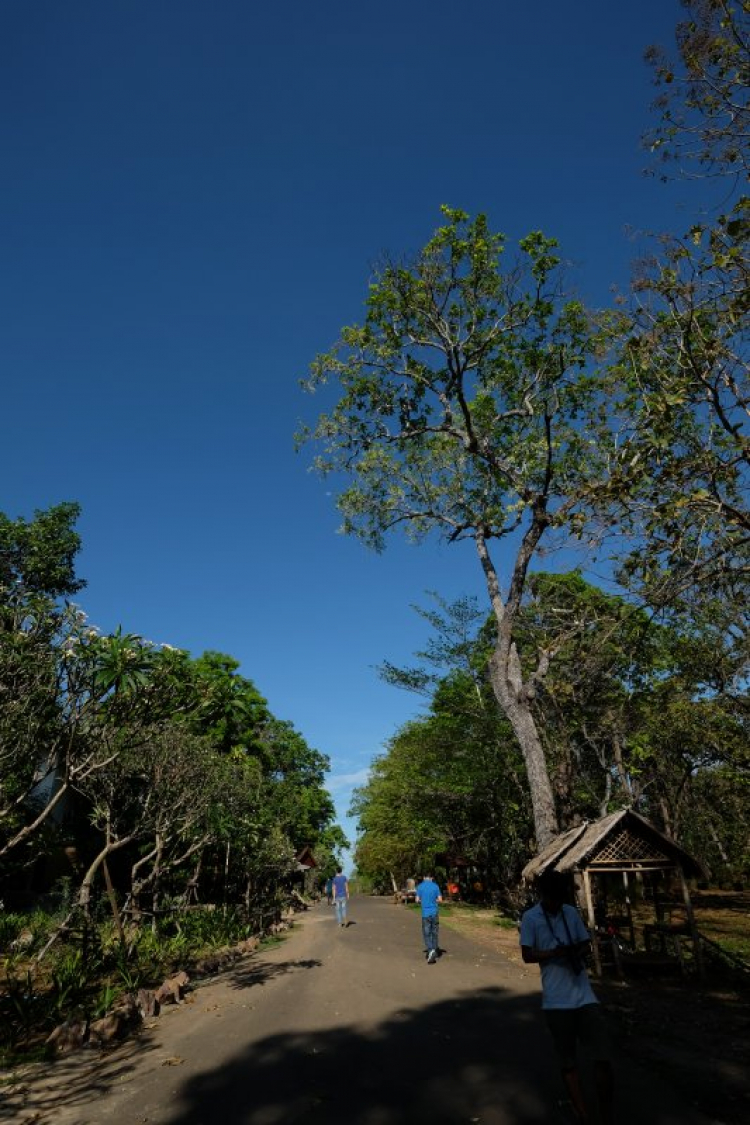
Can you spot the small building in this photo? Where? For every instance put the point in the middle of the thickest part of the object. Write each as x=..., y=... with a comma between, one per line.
x=305, y=865
x=625, y=845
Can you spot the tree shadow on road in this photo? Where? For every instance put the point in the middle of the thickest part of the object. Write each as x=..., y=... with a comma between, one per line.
x=74, y=1080
x=262, y=972
x=480, y=1056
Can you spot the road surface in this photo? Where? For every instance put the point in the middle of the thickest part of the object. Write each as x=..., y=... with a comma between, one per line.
x=340, y=1026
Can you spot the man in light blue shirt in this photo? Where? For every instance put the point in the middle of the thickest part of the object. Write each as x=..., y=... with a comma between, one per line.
x=554, y=937
x=428, y=897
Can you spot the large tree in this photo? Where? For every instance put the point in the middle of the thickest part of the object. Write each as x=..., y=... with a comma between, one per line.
x=450, y=788
x=469, y=408
x=635, y=710
x=636, y=705
x=42, y=699
x=703, y=125
x=685, y=462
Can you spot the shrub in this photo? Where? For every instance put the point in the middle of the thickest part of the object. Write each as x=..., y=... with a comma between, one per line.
x=11, y=926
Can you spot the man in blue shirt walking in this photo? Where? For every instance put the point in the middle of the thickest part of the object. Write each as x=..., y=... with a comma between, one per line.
x=428, y=897
x=340, y=896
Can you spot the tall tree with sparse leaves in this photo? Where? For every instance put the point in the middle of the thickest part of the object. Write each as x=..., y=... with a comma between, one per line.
x=470, y=407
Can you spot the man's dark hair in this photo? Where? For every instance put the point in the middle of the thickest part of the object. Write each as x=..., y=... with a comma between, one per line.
x=553, y=883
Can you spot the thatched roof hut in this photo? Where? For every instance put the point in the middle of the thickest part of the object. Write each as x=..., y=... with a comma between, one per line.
x=623, y=842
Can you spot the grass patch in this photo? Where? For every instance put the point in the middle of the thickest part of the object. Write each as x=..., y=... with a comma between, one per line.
x=505, y=923
x=270, y=940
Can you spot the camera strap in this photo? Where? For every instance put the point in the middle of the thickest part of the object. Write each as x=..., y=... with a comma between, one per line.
x=565, y=924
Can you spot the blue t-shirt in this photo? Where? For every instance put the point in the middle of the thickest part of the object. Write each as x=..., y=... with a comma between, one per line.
x=339, y=886
x=428, y=894
x=562, y=986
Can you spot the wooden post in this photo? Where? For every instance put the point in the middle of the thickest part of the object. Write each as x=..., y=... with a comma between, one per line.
x=592, y=921
x=629, y=909
x=697, y=951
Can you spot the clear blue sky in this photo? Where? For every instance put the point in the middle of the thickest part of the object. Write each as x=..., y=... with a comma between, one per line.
x=192, y=196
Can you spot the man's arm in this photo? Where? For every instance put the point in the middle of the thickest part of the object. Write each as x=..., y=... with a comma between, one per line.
x=533, y=956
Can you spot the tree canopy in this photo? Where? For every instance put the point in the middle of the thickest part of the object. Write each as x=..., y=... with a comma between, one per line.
x=472, y=406
x=111, y=745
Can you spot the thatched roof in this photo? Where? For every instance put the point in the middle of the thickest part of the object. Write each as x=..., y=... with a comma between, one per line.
x=622, y=840
x=305, y=859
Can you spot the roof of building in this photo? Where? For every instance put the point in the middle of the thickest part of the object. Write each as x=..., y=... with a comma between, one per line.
x=623, y=840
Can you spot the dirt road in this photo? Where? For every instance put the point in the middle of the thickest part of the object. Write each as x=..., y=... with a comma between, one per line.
x=337, y=1026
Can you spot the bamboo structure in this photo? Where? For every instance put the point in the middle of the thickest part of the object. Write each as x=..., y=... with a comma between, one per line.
x=627, y=844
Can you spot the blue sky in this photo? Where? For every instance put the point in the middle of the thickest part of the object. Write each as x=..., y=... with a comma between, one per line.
x=192, y=197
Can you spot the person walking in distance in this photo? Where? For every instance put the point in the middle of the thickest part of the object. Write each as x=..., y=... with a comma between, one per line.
x=429, y=898
x=554, y=937
x=340, y=896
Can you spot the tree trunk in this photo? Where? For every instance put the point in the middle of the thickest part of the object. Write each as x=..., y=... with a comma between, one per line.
x=29, y=829
x=226, y=874
x=113, y=903
x=84, y=893
x=518, y=712
x=137, y=884
x=155, y=881
x=622, y=773
x=506, y=677
x=563, y=785
x=719, y=846
x=666, y=817
x=83, y=898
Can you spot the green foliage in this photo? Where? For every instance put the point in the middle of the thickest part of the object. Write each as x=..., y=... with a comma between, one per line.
x=703, y=110
x=37, y=558
x=19, y=1007
x=682, y=472
x=11, y=926
x=170, y=770
x=634, y=710
x=454, y=388
x=123, y=662
x=451, y=784
x=205, y=929
x=505, y=923
x=227, y=708
x=130, y=976
x=70, y=982
x=105, y=1000
x=473, y=404
x=684, y=460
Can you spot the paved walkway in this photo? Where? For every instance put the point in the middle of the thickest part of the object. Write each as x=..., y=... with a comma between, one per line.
x=340, y=1027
